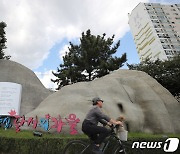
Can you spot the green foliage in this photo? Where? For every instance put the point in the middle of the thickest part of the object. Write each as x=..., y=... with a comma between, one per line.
x=167, y=73
x=3, y=40
x=92, y=58
x=24, y=142
x=33, y=146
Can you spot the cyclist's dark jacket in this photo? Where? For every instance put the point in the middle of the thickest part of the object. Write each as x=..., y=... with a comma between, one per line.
x=95, y=115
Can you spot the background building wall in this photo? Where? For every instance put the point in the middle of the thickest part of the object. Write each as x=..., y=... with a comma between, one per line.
x=156, y=30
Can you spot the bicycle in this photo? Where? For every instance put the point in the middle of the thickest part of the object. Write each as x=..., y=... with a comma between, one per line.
x=81, y=147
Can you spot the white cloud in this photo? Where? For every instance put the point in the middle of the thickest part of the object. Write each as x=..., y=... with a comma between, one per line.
x=46, y=77
x=34, y=26
x=63, y=51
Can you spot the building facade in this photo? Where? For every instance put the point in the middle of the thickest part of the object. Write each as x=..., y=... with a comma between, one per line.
x=156, y=30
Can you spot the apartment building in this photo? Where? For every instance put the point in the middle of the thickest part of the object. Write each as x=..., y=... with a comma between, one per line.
x=156, y=30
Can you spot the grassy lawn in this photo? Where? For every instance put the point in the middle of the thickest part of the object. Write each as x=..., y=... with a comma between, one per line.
x=11, y=133
x=146, y=135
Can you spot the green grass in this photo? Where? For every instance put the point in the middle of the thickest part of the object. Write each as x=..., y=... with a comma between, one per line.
x=11, y=133
x=148, y=135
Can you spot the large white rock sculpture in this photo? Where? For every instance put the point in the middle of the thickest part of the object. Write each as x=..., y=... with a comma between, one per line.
x=147, y=106
x=33, y=92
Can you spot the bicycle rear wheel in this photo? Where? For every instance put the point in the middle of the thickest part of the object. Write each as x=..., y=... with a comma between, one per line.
x=75, y=147
x=126, y=149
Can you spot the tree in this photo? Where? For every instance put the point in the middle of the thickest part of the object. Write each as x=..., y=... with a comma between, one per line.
x=3, y=40
x=92, y=58
x=167, y=73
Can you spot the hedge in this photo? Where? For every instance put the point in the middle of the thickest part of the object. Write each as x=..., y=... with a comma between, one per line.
x=32, y=146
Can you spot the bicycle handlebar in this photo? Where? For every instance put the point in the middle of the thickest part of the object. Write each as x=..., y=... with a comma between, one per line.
x=113, y=127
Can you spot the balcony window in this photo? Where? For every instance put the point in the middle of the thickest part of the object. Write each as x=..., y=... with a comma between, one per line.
x=159, y=31
x=153, y=17
x=147, y=4
x=166, y=47
x=164, y=40
x=158, y=9
x=169, y=52
x=151, y=12
x=161, y=35
x=157, y=26
x=155, y=21
x=161, y=17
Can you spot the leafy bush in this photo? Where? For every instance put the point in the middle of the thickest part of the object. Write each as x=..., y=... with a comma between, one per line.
x=25, y=143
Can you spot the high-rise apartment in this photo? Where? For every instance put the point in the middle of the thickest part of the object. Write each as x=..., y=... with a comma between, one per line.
x=156, y=30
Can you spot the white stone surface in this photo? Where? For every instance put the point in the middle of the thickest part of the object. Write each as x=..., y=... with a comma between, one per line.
x=33, y=92
x=147, y=106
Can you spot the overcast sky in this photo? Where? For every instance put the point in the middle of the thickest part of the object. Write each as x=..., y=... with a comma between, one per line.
x=36, y=27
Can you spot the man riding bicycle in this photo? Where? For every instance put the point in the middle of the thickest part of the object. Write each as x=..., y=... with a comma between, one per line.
x=90, y=124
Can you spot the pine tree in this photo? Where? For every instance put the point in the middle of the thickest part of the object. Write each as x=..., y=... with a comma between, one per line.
x=92, y=58
x=3, y=41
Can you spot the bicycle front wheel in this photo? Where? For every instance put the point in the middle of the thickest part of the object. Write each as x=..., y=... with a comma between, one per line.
x=126, y=149
x=75, y=147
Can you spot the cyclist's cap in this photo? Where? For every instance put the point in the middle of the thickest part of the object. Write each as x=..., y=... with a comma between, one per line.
x=96, y=99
